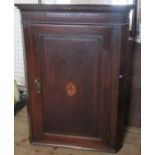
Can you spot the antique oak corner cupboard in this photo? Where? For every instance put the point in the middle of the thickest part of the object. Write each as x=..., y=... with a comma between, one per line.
x=75, y=61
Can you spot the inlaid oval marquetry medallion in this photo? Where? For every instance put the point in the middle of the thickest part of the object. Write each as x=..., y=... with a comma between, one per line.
x=71, y=89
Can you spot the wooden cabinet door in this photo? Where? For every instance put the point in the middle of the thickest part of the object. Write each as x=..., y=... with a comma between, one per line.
x=69, y=82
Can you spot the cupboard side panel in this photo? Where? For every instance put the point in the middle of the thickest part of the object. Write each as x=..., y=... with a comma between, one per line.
x=123, y=85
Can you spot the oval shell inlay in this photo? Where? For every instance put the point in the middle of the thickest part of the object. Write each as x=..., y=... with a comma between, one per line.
x=71, y=89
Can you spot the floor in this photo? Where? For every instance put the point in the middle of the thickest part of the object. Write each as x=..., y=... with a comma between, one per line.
x=23, y=147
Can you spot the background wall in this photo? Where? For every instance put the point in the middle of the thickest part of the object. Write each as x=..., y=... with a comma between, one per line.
x=19, y=75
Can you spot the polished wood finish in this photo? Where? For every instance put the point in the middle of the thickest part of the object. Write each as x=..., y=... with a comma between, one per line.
x=133, y=104
x=76, y=53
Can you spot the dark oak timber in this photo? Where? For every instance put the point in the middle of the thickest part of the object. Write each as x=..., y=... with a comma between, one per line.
x=75, y=68
x=133, y=104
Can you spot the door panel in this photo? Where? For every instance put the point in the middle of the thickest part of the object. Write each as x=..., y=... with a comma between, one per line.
x=69, y=79
x=73, y=65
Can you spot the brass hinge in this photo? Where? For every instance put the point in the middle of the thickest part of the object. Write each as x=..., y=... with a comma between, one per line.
x=37, y=86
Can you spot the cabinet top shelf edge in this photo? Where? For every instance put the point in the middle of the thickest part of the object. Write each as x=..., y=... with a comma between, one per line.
x=75, y=8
